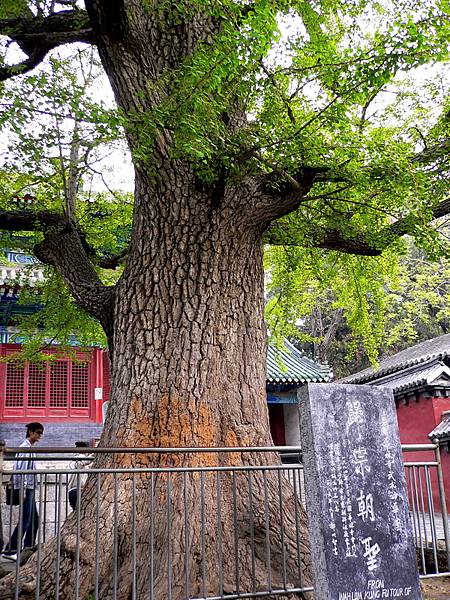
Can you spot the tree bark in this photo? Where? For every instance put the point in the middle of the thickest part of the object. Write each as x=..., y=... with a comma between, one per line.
x=188, y=352
x=188, y=370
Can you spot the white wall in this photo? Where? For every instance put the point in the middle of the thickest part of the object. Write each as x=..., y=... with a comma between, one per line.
x=291, y=424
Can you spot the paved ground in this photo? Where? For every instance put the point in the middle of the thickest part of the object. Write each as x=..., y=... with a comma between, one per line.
x=436, y=589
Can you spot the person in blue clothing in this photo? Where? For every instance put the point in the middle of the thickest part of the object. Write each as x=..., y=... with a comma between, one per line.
x=27, y=484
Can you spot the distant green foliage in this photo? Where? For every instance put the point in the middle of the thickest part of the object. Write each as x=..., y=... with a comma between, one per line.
x=301, y=280
x=351, y=319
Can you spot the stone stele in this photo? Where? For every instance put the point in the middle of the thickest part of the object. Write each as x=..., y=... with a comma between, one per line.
x=359, y=524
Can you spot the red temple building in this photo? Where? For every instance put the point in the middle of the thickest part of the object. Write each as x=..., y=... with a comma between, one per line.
x=419, y=378
x=66, y=394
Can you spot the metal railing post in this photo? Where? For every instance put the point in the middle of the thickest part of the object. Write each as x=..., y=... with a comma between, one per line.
x=2, y=451
x=437, y=453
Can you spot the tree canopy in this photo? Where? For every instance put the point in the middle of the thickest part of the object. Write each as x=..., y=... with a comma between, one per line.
x=343, y=113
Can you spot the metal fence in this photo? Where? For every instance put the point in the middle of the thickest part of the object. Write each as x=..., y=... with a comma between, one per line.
x=425, y=484
x=214, y=524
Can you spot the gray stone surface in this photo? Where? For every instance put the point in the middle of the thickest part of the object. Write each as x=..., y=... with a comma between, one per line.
x=360, y=528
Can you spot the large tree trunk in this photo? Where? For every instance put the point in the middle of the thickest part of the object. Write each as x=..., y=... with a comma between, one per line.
x=188, y=351
x=188, y=370
x=189, y=338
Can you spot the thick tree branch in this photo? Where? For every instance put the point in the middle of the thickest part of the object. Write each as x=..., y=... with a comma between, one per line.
x=37, y=35
x=285, y=234
x=406, y=225
x=432, y=153
x=63, y=247
x=28, y=220
x=292, y=181
x=279, y=192
x=112, y=262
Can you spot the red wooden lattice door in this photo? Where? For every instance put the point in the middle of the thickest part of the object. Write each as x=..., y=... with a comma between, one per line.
x=59, y=390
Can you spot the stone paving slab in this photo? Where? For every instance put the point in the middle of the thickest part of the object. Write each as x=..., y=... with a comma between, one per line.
x=436, y=588
x=422, y=526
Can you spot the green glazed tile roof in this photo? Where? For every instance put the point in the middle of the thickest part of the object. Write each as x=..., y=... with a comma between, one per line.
x=289, y=366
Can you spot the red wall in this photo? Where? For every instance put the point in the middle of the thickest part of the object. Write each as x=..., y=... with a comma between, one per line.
x=416, y=420
x=440, y=405
x=276, y=420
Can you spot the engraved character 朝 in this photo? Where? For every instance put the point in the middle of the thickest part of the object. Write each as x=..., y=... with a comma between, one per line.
x=365, y=507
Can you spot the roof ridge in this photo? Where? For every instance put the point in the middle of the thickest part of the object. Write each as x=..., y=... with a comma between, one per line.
x=407, y=366
x=371, y=375
x=298, y=367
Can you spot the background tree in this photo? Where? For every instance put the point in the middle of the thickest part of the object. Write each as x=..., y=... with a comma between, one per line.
x=239, y=131
x=352, y=317
x=416, y=308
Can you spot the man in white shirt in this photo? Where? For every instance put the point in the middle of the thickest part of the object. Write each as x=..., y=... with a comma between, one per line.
x=26, y=483
x=77, y=480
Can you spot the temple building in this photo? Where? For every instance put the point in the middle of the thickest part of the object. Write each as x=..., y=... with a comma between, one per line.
x=419, y=378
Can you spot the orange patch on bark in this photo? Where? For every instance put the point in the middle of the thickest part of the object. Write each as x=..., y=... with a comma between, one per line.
x=231, y=440
x=178, y=424
x=137, y=434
